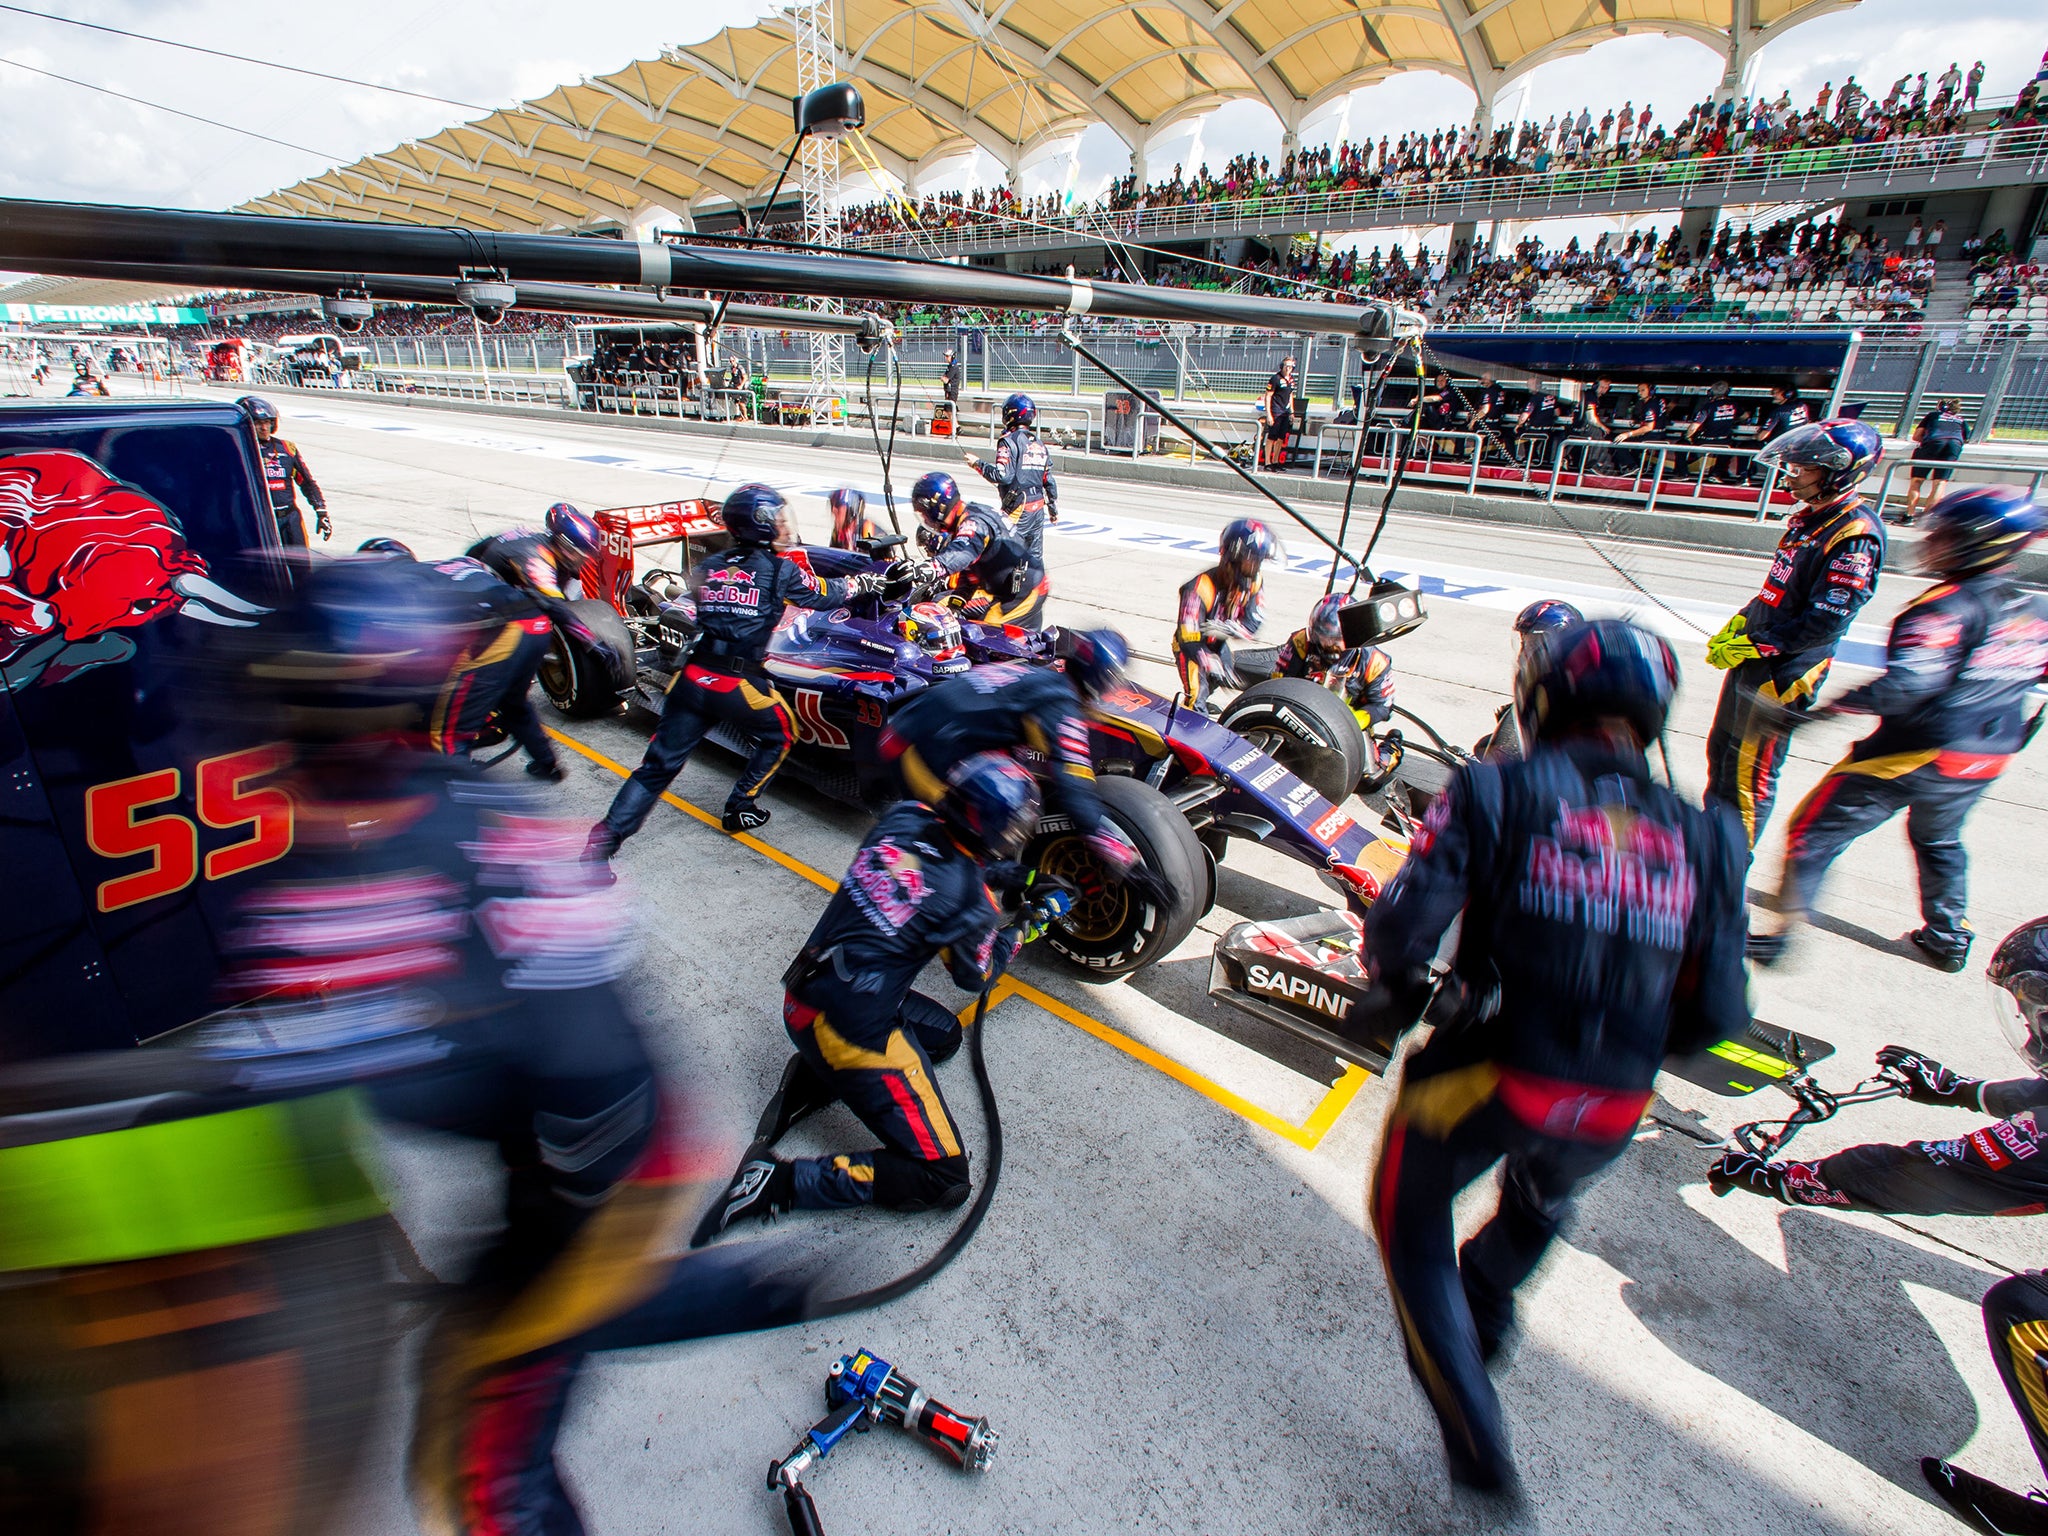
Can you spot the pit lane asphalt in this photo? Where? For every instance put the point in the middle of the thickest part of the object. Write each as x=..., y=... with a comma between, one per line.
x=1174, y=1316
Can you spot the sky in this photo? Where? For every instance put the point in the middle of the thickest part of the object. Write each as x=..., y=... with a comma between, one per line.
x=61, y=141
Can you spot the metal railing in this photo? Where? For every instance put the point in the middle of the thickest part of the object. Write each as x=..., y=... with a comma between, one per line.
x=457, y=384
x=1783, y=175
x=1970, y=471
x=1056, y=421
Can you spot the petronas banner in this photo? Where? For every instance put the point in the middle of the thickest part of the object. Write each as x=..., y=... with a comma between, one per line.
x=101, y=314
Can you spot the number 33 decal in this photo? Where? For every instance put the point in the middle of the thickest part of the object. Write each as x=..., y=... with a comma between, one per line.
x=116, y=826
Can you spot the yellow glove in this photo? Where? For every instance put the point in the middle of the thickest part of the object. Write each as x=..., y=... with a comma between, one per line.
x=1732, y=646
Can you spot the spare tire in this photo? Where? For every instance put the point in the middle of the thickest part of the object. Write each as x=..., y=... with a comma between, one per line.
x=588, y=671
x=1306, y=729
x=1114, y=932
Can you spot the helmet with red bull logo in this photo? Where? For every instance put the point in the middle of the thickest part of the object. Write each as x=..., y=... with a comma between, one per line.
x=1019, y=410
x=1247, y=544
x=936, y=496
x=1843, y=449
x=1979, y=528
x=574, y=533
x=1326, y=621
x=991, y=804
x=1605, y=669
x=753, y=514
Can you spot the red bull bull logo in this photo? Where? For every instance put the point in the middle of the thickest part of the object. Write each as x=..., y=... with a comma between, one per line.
x=84, y=556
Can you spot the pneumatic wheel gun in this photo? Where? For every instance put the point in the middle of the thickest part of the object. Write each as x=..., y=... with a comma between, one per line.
x=895, y=1399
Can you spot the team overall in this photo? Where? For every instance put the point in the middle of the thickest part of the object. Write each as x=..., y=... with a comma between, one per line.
x=1022, y=476
x=284, y=474
x=1825, y=569
x=494, y=675
x=980, y=531
x=1214, y=598
x=1362, y=676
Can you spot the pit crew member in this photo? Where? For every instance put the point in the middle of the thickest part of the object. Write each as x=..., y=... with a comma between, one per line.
x=550, y=562
x=1778, y=649
x=1957, y=701
x=1994, y=1170
x=741, y=597
x=1022, y=475
x=1222, y=605
x=915, y=891
x=1714, y=423
x=285, y=474
x=1037, y=714
x=985, y=562
x=1601, y=927
x=1545, y=616
x=1938, y=442
x=1363, y=676
x=851, y=520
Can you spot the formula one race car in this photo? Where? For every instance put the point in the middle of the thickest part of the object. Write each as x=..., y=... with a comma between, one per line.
x=1177, y=783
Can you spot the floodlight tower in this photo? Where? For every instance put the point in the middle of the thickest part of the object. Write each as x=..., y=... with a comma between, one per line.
x=818, y=162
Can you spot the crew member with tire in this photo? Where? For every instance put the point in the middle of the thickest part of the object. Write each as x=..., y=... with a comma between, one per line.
x=980, y=557
x=916, y=890
x=1545, y=616
x=1601, y=928
x=1953, y=710
x=1362, y=676
x=1037, y=714
x=1222, y=605
x=1778, y=649
x=2000, y=1169
x=741, y=595
x=285, y=474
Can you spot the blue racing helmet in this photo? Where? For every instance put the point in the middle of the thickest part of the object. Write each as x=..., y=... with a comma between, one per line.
x=1590, y=671
x=1545, y=614
x=1020, y=410
x=991, y=803
x=1979, y=529
x=1247, y=538
x=2018, y=979
x=936, y=496
x=1846, y=449
x=384, y=546
x=258, y=410
x=1097, y=660
x=1326, y=621
x=753, y=514
x=574, y=534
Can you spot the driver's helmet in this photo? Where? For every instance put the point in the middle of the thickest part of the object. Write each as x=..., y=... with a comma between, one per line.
x=1096, y=660
x=1978, y=529
x=383, y=546
x=1246, y=545
x=753, y=514
x=991, y=804
x=932, y=628
x=1586, y=672
x=574, y=534
x=1845, y=448
x=259, y=410
x=1020, y=410
x=1545, y=616
x=2018, y=981
x=936, y=496
x=1326, y=621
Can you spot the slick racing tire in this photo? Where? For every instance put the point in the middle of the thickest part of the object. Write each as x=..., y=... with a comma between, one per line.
x=1306, y=729
x=1113, y=932
x=588, y=674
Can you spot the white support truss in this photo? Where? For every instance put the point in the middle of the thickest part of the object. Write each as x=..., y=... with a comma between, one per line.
x=818, y=168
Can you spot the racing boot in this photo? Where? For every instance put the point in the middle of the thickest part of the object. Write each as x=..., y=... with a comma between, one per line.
x=599, y=847
x=763, y=1188
x=801, y=1094
x=1983, y=1505
x=1944, y=951
x=744, y=816
x=551, y=769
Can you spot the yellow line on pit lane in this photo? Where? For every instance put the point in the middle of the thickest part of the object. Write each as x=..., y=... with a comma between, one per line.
x=1305, y=1135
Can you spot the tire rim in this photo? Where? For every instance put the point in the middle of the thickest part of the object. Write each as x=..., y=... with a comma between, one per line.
x=557, y=676
x=1095, y=919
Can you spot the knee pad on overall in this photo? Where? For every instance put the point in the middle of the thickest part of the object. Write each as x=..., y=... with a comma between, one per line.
x=914, y=1184
x=935, y=1026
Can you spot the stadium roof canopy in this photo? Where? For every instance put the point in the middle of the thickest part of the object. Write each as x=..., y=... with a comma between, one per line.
x=711, y=121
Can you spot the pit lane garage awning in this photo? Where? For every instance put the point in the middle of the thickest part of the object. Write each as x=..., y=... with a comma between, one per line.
x=710, y=121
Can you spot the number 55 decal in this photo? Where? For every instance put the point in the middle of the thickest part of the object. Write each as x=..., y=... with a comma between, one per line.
x=116, y=826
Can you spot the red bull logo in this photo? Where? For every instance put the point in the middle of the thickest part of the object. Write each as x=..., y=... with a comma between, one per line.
x=84, y=556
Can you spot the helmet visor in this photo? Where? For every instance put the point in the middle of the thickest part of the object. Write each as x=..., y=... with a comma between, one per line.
x=2019, y=1005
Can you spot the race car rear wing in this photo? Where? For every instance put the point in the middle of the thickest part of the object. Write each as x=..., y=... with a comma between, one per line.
x=627, y=529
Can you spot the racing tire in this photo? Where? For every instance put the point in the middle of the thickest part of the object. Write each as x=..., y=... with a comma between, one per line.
x=585, y=680
x=1306, y=729
x=1113, y=932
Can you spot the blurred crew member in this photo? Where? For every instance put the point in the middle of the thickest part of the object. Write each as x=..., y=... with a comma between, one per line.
x=551, y=563
x=1602, y=928
x=1362, y=676
x=851, y=520
x=285, y=474
x=986, y=562
x=1039, y=714
x=1777, y=651
x=1222, y=605
x=1937, y=443
x=741, y=595
x=1953, y=707
x=916, y=891
x=1714, y=422
x=1788, y=412
x=1992, y=1171
x=1543, y=617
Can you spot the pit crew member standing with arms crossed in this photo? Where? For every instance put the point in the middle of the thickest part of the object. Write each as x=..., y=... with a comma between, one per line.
x=1222, y=604
x=1958, y=699
x=1778, y=650
x=741, y=596
x=1995, y=1170
x=1601, y=928
x=285, y=473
